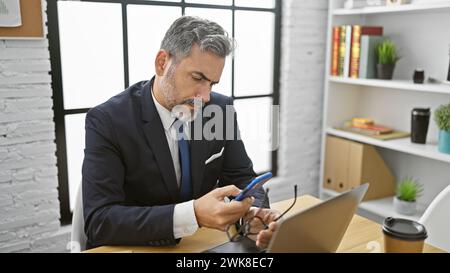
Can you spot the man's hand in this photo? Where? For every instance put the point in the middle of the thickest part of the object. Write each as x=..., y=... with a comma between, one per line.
x=211, y=210
x=264, y=236
x=268, y=216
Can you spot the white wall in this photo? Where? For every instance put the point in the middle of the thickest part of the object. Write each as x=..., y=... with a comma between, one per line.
x=303, y=51
x=29, y=206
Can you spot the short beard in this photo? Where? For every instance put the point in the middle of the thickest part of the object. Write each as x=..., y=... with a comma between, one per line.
x=168, y=89
x=178, y=109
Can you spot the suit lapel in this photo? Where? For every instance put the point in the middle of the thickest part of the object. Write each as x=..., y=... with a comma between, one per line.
x=156, y=138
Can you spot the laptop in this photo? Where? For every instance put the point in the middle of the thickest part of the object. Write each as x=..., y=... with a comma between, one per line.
x=319, y=228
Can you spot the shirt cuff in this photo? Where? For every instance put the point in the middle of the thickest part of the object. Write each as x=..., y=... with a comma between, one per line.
x=184, y=220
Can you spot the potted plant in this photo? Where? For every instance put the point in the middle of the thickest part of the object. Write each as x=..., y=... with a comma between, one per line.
x=442, y=118
x=407, y=192
x=386, y=53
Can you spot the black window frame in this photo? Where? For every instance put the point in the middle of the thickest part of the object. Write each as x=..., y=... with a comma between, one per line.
x=58, y=103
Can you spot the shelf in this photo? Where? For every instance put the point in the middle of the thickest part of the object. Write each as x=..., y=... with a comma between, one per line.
x=395, y=84
x=383, y=207
x=411, y=26
x=411, y=8
x=404, y=145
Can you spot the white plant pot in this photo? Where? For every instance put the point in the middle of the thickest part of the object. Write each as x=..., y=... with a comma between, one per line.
x=404, y=207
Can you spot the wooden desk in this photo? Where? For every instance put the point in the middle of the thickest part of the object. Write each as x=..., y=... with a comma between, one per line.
x=362, y=235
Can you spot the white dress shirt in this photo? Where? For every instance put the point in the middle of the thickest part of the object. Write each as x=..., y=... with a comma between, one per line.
x=184, y=220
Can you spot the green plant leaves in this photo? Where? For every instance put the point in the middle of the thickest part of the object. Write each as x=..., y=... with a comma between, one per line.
x=386, y=52
x=442, y=117
x=409, y=190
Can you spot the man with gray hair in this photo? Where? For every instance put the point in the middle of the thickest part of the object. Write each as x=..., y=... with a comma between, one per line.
x=149, y=178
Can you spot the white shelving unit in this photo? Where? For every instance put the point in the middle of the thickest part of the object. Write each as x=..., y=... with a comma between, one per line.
x=404, y=145
x=381, y=207
x=422, y=35
x=413, y=8
x=395, y=84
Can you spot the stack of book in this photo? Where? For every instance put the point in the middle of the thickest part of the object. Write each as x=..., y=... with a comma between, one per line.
x=367, y=126
x=353, y=50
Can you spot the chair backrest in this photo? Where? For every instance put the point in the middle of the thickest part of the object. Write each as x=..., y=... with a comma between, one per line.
x=436, y=220
x=78, y=237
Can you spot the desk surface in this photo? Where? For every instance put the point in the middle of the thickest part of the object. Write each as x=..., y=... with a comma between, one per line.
x=362, y=235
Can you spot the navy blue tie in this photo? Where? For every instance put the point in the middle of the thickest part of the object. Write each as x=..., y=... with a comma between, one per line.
x=185, y=160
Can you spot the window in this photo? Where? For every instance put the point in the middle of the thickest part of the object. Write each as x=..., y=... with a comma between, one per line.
x=119, y=55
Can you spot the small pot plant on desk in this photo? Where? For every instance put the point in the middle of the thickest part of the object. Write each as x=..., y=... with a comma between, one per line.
x=387, y=57
x=442, y=118
x=407, y=192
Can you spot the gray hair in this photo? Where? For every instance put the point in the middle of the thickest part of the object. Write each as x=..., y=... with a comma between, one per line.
x=187, y=30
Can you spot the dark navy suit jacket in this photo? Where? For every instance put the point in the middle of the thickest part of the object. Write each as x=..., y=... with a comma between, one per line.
x=129, y=182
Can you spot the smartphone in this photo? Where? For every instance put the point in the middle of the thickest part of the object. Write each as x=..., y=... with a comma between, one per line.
x=253, y=186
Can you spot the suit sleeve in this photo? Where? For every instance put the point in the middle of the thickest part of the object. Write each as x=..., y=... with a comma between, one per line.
x=237, y=168
x=108, y=221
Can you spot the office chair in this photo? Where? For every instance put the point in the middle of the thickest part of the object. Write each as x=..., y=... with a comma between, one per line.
x=437, y=221
x=78, y=237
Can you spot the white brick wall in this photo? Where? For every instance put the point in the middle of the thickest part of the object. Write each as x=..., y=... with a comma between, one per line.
x=303, y=49
x=29, y=206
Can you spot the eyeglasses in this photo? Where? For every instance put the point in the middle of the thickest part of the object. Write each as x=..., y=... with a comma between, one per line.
x=243, y=227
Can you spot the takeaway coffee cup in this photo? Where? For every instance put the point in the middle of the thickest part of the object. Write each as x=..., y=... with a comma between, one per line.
x=403, y=236
x=420, y=118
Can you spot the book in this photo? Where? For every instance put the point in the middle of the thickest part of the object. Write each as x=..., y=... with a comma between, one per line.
x=362, y=121
x=335, y=51
x=357, y=32
x=368, y=58
x=356, y=48
x=343, y=33
x=374, y=129
x=348, y=45
x=367, y=128
x=394, y=135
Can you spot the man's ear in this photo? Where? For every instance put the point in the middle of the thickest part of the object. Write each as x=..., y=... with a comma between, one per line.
x=161, y=62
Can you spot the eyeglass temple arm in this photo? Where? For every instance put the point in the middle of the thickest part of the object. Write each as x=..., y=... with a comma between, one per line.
x=290, y=207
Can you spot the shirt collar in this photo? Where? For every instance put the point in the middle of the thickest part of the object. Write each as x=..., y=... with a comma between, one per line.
x=166, y=116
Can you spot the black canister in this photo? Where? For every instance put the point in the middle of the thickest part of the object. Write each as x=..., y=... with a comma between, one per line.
x=419, y=76
x=420, y=118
